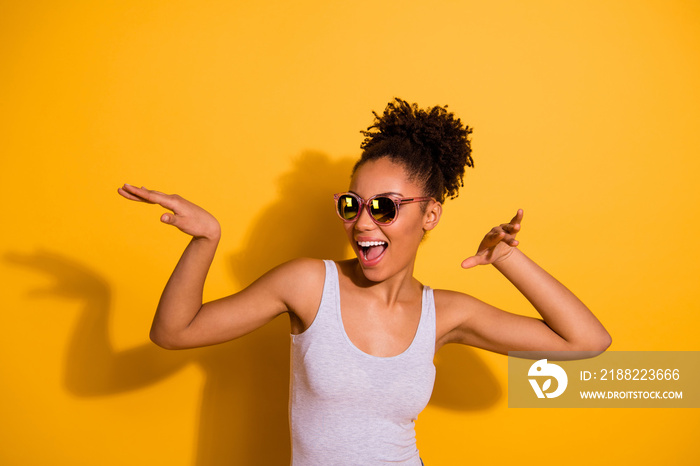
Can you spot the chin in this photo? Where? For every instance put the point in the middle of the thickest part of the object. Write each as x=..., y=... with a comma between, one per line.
x=381, y=271
x=373, y=275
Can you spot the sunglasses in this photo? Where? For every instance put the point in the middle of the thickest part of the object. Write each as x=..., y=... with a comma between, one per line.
x=382, y=209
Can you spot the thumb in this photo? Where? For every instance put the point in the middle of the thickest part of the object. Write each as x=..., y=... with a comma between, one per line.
x=167, y=218
x=470, y=262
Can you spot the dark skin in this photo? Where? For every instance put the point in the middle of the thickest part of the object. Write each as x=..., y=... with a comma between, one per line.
x=380, y=300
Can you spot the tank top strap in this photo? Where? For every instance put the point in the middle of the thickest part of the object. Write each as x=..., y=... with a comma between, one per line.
x=324, y=322
x=331, y=284
x=426, y=334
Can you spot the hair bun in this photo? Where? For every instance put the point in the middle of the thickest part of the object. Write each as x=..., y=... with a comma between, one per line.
x=433, y=134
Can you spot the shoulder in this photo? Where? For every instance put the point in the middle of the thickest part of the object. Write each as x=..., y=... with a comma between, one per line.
x=448, y=301
x=304, y=265
x=298, y=275
x=299, y=285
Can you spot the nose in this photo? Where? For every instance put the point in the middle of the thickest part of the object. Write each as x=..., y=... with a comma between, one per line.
x=364, y=220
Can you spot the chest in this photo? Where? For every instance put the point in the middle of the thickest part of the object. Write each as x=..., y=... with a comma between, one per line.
x=361, y=358
x=379, y=330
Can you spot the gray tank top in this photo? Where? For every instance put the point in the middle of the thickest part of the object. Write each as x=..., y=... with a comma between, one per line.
x=348, y=407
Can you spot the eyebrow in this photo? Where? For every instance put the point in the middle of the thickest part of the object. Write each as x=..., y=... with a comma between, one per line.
x=381, y=194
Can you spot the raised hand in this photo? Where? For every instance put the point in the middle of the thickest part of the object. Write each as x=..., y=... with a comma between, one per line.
x=184, y=215
x=498, y=243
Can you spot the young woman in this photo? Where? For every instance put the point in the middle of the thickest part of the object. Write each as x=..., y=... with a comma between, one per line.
x=365, y=331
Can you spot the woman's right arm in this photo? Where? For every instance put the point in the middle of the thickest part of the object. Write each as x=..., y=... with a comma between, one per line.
x=183, y=321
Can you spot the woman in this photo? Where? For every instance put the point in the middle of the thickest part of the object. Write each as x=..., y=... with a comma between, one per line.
x=364, y=331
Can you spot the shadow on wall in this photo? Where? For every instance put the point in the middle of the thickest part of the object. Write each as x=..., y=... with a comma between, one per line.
x=248, y=401
x=462, y=381
x=244, y=403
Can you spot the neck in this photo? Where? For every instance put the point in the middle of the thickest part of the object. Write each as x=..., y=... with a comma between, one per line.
x=395, y=288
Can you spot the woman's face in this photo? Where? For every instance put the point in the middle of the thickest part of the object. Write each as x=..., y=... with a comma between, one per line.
x=398, y=242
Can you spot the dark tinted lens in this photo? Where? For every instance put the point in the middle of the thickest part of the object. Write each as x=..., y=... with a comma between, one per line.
x=348, y=207
x=383, y=209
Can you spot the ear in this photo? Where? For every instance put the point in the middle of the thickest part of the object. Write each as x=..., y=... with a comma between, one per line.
x=432, y=215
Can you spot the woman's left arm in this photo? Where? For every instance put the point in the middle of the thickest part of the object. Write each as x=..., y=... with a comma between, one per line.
x=568, y=324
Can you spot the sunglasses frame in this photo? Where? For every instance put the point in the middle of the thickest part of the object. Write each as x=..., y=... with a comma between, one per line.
x=366, y=204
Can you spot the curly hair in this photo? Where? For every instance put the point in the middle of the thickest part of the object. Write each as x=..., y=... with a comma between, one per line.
x=432, y=145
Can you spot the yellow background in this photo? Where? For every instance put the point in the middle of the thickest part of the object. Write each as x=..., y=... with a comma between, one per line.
x=585, y=114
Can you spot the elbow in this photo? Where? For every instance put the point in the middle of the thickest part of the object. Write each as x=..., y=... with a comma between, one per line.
x=602, y=340
x=597, y=339
x=605, y=341
x=164, y=340
x=596, y=346
x=590, y=347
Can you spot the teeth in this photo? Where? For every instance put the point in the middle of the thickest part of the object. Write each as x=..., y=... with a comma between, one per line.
x=366, y=244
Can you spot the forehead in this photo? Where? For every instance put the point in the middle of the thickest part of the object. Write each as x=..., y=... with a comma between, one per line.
x=383, y=176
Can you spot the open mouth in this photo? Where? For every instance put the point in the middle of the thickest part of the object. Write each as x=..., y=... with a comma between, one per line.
x=372, y=250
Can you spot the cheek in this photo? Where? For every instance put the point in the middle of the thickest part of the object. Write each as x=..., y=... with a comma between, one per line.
x=349, y=230
x=412, y=225
x=407, y=235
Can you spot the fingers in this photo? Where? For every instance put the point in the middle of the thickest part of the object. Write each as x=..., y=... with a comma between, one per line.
x=148, y=196
x=518, y=218
x=184, y=215
x=511, y=229
x=491, y=250
x=132, y=197
x=508, y=236
x=513, y=226
x=493, y=237
x=136, y=194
